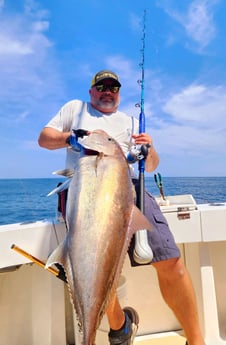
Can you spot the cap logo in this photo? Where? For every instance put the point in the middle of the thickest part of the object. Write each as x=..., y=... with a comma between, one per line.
x=105, y=75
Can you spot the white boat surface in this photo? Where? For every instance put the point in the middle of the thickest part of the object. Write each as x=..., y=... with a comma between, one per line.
x=35, y=308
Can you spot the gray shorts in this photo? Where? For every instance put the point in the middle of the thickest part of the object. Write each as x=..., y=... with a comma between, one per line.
x=161, y=239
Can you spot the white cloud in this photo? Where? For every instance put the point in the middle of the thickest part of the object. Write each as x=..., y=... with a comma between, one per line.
x=135, y=21
x=11, y=46
x=195, y=124
x=199, y=23
x=197, y=20
x=21, y=36
x=29, y=71
x=40, y=26
x=199, y=104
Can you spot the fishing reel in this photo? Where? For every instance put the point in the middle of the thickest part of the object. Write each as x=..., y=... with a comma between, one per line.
x=137, y=152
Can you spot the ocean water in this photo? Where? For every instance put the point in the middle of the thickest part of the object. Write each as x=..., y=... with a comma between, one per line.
x=25, y=200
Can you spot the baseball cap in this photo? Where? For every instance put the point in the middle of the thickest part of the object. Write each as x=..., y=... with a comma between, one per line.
x=105, y=74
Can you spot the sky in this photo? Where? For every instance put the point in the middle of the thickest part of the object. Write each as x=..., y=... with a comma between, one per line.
x=50, y=50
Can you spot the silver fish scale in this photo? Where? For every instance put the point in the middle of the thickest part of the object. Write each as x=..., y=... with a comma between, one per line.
x=99, y=207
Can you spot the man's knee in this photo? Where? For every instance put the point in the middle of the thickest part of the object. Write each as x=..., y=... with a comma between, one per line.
x=171, y=268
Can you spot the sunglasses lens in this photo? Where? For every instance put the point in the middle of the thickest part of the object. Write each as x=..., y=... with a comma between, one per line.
x=100, y=88
x=114, y=89
x=103, y=88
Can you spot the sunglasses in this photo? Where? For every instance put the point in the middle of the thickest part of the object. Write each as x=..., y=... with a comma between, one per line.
x=104, y=87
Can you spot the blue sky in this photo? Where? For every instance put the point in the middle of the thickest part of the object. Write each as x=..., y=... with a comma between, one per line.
x=50, y=50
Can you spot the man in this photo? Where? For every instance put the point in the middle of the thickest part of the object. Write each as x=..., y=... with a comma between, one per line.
x=175, y=284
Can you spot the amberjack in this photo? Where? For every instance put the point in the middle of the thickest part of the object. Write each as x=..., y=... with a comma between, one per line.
x=101, y=219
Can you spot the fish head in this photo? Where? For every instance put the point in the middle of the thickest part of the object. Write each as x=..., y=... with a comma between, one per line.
x=100, y=141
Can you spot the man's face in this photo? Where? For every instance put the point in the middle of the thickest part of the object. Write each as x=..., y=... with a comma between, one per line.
x=105, y=96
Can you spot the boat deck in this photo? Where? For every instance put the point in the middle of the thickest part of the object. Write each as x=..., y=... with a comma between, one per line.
x=164, y=338
x=170, y=338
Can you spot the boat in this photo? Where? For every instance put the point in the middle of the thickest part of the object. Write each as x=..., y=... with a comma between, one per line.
x=35, y=307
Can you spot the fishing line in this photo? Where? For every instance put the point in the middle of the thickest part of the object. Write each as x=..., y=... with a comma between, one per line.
x=142, y=66
x=140, y=152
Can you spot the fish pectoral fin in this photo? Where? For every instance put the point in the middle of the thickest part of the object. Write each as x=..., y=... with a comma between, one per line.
x=60, y=188
x=57, y=256
x=64, y=172
x=139, y=221
x=98, y=159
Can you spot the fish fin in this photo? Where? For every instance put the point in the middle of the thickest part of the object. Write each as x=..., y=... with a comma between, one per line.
x=57, y=256
x=63, y=186
x=60, y=257
x=139, y=221
x=64, y=172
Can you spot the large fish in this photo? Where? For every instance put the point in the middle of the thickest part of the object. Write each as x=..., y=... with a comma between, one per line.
x=101, y=218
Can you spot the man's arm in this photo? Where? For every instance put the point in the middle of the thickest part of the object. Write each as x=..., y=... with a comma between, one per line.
x=152, y=160
x=52, y=139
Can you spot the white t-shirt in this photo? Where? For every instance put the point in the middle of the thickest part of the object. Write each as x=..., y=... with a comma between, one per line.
x=81, y=115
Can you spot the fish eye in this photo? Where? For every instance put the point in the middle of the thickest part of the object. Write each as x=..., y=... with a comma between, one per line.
x=110, y=139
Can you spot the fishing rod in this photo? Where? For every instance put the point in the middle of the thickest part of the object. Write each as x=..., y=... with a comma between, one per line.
x=140, y=152
x=142, y=252
x=141, y=162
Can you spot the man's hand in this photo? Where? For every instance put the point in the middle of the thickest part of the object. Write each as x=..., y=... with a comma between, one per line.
x=142, y=138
